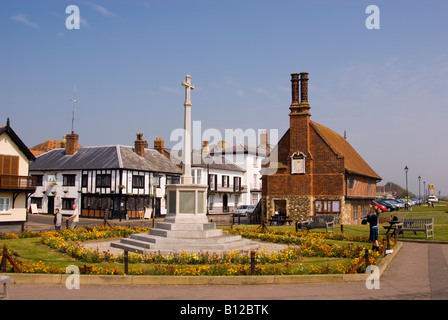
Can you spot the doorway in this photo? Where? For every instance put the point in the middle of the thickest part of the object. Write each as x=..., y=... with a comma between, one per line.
x=225, y=203
x=119, y=211
x=50, y=207
x=280, y=207
x=156, y=206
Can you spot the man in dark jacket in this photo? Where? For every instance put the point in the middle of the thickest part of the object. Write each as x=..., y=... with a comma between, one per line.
x=372, y=219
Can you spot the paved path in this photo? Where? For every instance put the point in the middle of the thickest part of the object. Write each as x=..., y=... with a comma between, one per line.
x=419, y=271
x=44, y=222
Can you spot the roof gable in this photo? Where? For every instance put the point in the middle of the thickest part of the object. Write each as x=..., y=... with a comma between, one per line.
x=15, y=138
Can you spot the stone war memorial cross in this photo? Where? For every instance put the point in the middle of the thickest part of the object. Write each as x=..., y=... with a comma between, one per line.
x=186, y=176
x=186, y=225
x=187, y=201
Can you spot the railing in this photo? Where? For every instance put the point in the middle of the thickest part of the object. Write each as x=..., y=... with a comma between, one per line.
x=26, y=183
x=231, y=188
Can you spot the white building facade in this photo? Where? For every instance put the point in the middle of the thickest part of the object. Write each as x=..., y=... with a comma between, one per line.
x=106, y=181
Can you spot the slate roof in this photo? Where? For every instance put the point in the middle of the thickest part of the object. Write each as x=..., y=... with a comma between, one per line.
x=218, y=162
x=240, y=148
x=152, y=161
x=104, y=157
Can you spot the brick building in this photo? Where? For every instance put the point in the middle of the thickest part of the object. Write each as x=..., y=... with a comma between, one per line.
x=318, y=171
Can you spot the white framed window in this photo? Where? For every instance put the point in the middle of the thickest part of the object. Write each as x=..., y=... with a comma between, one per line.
x=4, y=205
x=196, y=173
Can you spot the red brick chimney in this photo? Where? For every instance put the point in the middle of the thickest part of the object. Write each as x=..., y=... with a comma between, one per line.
x=158, y=145
x=304, y=89
x=295, y=89
x=71, y=143
x=299, y=117
x=140, y=145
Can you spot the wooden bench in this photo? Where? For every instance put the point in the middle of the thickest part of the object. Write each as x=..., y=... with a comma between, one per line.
x=279, y=220
x=320, y=221
x=425, y=225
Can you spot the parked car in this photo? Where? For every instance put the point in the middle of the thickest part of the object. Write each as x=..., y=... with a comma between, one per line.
x=397, y=202
x=432, y=199
x=243, y=210
x=390, y=206
x=379, y=205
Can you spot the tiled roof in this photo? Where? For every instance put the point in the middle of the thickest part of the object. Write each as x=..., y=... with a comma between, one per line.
x=104, y=157
x=353, y=162
x=46, y=146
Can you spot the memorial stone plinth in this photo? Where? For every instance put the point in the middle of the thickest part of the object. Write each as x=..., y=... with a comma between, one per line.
x=186, y=226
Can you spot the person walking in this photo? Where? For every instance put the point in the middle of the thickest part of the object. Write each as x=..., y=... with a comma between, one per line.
x=74, y=218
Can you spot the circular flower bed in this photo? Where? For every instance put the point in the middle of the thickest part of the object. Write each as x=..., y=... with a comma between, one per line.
x=287, y=261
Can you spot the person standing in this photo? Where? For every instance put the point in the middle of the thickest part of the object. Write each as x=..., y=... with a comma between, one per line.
x=74, y=218
x=57, y=220
x=372, y=219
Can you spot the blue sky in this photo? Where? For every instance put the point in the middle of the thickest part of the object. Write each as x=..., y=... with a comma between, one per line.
x=386, y=88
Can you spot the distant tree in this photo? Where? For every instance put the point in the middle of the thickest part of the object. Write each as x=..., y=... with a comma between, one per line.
x=398, y=191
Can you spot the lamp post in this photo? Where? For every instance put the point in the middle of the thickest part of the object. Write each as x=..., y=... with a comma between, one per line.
x=155, y=181
x=407, y=194
x=208, y=159
x=424, y=191
x=419, y=200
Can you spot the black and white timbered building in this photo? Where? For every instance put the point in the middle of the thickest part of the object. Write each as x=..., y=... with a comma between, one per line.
x=121, y=180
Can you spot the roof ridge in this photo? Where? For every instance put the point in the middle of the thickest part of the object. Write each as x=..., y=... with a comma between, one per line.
x=120, y=159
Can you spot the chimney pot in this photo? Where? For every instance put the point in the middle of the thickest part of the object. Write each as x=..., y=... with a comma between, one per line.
x=158, y=145
x=263, y=138
x=295, y=88
x=304, y=87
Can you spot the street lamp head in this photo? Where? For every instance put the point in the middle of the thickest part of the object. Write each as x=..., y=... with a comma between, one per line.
x=406, y=169
x=208, y=159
